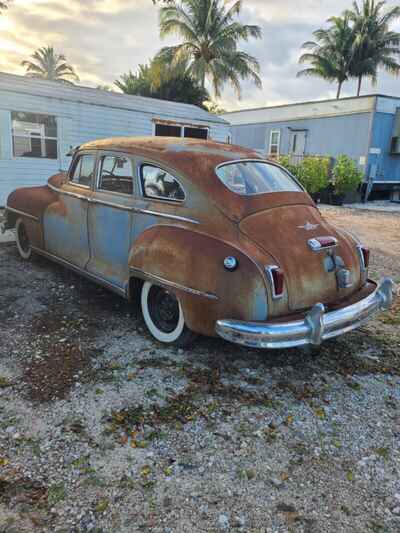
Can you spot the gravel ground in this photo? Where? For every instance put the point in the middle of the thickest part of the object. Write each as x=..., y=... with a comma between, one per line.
x=103, y=430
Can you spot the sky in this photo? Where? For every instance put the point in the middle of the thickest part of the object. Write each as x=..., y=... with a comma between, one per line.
x=104, y=38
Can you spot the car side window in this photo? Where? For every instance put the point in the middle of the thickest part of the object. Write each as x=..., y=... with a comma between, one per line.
x=158, y=183
x=116, y=174
x=83, y=171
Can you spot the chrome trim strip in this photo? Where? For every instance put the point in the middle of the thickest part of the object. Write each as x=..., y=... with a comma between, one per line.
x=79, y=270
x=166, y=215
x=68, y=193
x=316, y=327
x=163, y=281
x=361, y=257
x=22, y=213
x=110, y=204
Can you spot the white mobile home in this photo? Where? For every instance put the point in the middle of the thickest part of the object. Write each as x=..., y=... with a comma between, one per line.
x=40, y=121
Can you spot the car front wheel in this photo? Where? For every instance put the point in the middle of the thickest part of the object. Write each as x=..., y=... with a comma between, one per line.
x=163, y=315
x=23, y=243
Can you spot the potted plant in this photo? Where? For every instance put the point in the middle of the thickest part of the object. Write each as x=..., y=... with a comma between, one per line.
x=346, y=178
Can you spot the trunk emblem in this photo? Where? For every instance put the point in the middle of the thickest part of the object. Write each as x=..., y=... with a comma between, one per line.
x=308, y=226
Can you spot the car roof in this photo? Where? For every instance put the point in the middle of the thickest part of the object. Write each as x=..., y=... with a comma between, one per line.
x=195, y=159
x=172, y=147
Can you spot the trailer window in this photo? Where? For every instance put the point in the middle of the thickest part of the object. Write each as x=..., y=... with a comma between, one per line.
x=180, y=130
x=34, y=135
x=253, y=177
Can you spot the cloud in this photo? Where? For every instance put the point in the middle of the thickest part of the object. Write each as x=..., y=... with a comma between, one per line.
x=104, y=38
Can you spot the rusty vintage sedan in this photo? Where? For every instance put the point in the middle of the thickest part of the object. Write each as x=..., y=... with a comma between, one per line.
x=209, y=238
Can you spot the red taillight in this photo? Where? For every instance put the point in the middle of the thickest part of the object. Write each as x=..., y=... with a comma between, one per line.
x=277, y=278
x=322, y=243
x=365, y=256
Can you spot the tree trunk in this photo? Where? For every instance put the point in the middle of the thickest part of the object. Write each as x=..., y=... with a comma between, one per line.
x=339, y=90
x=203, y=79
x=359, y=85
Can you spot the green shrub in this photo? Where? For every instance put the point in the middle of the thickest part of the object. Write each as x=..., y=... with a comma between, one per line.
x=346, y=175
x=284, y=160
x=312, y=172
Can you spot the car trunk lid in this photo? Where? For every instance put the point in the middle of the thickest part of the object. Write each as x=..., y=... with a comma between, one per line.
x=285, y=232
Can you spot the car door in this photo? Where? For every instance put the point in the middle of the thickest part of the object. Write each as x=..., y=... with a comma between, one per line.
x=65, y=223
x=110, y=219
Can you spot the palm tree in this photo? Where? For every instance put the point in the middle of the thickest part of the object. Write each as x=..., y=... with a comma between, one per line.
x=4, y=4
x=165, y=81
x=374, y=44
x=330, y=55
x=210, y=36
x=49, y=65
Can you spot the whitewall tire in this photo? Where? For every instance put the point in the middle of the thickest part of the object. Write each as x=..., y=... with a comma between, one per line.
x=23, y=243
x=163, y=315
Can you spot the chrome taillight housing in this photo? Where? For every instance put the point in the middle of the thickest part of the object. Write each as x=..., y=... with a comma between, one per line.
x=276, y=277
x=364, y=255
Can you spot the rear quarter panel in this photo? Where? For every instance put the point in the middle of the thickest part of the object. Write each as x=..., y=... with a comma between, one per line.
x=193, y=262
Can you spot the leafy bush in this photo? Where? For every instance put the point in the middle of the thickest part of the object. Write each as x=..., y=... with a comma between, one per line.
x=346, y=175
x=312, y=172
x=284, y=160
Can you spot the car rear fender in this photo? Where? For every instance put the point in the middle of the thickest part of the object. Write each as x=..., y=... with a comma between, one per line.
x=191, y=264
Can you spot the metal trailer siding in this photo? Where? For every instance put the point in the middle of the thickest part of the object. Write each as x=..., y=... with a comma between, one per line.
x=347, y=134
x=388, y=166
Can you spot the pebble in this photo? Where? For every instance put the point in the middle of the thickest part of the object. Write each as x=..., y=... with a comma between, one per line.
x=223, y=521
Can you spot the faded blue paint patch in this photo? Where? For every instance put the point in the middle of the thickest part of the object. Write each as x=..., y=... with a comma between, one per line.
x=65, y=231
x=109, y=239
x=260, y=305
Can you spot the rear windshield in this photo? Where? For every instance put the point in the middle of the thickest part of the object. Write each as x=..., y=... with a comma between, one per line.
x=253, y=177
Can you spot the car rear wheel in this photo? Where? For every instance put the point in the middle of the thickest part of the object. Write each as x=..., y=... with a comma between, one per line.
x=163, y=315
x=23, y=243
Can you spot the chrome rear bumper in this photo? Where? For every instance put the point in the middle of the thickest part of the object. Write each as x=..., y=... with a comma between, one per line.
x=316, y=327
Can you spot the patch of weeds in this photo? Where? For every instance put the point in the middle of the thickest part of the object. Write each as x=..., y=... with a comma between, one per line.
x=56, y=493
x=383, y=452
x=102, y=506
x=153, y=393
x=5, y=383
x=7, y=422
x=33, y=493
x=320, y=413
x=94, y=481
x=354, y=385
x=156, y=362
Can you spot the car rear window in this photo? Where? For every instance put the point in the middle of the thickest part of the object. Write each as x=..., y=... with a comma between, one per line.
x=256, y=177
